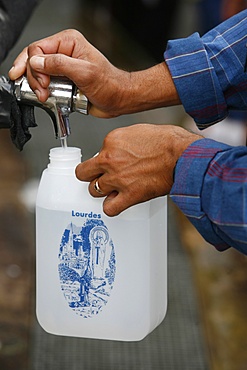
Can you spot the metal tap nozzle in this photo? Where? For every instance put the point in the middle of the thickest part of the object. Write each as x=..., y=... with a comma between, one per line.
x=64, y=99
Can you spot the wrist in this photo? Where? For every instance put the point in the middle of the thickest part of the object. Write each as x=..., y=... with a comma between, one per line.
x=180, y=140
x=148, y=89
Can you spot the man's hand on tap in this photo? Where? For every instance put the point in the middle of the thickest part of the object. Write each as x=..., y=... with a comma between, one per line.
x=111, y=91
x=135, y=164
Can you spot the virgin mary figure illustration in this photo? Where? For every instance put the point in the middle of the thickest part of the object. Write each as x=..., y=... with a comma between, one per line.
x=99, y=238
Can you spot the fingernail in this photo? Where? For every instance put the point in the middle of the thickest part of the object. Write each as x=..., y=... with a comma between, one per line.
x=12, y=69
x=37, y=62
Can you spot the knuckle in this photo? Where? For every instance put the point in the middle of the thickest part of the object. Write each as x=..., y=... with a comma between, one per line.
x=106, y=160
x=70, y=36
x=113, y=138
x=71, y=32
x=115, y=134
x=33, y=48
x=57, y=60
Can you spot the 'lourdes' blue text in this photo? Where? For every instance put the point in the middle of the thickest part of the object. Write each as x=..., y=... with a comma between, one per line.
x=83, y=214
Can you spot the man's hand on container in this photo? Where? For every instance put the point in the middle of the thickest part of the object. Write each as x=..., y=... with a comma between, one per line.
x=135, y=164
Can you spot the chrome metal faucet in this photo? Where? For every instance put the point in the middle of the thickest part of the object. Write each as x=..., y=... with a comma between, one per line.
x=64, y=98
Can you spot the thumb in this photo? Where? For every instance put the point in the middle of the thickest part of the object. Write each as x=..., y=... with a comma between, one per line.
x=55, y=65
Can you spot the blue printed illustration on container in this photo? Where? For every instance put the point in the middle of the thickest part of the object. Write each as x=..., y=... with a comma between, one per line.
x=87, y=267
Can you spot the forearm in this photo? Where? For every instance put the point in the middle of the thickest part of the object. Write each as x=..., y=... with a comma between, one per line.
x=209, y=188
x=149, y=89
x=133, y=92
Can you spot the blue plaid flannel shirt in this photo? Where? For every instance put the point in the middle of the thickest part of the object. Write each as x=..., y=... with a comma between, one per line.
x=210, y=184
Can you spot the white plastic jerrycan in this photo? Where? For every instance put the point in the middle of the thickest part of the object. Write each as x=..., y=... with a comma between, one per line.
x=97, y=276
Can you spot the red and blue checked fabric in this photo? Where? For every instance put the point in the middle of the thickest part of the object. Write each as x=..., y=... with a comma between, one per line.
x=210, y=188
x=210, y=184
x=209, y=72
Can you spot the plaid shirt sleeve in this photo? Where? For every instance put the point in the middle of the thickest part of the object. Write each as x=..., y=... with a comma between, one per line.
x=209, y=71
x=210, y=187
x=210, y=183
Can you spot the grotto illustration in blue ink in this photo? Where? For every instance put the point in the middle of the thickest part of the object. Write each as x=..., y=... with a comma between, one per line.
x=87, y=267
